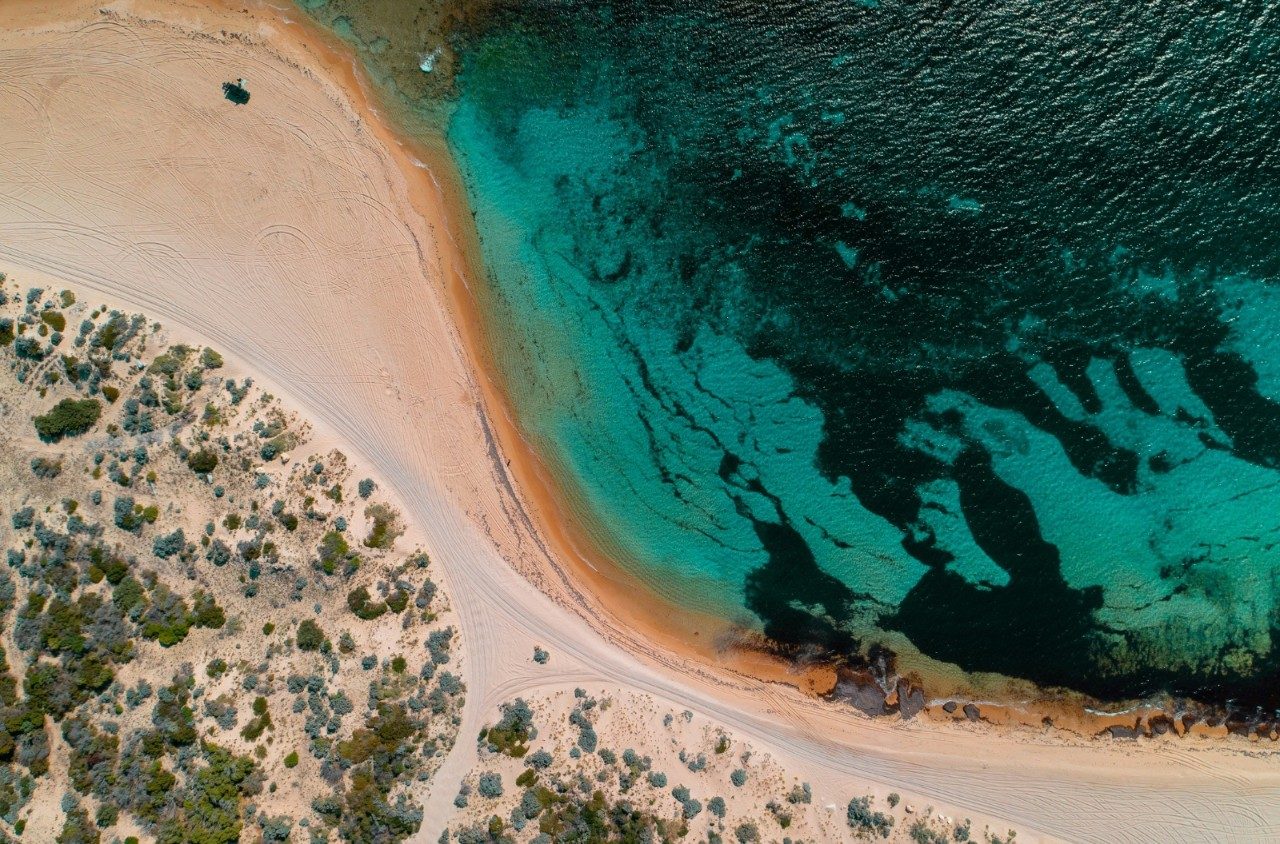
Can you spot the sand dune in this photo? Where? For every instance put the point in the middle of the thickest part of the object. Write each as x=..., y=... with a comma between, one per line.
x=294, y=233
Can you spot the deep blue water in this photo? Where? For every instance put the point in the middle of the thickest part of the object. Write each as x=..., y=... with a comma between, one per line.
x=950, y=326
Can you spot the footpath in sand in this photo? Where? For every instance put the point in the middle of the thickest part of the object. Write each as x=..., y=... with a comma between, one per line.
x=297, y=235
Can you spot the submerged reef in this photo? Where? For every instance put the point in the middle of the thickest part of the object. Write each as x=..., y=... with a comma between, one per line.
x=897, y=320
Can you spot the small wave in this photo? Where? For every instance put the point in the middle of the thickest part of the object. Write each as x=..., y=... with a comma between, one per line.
x=428, y=62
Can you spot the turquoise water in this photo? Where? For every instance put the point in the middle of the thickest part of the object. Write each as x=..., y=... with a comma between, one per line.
x=952, y=321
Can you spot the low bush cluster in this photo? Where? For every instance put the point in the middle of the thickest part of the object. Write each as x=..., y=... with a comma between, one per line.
x=511, y=734
x=863, y=818
x=68, y=418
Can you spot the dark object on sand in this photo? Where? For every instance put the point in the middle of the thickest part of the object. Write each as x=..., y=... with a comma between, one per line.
x=236, y=92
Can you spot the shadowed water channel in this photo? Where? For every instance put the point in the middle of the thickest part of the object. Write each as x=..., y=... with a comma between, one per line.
x=952, y=321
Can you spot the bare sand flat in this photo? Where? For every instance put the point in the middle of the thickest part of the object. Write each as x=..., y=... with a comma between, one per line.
x=297, y=235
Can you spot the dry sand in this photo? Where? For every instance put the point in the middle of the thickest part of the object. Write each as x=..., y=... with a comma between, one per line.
x=296, y=234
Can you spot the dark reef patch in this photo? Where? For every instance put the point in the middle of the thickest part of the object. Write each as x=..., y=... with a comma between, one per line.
x=922, y=213
x=1000, y=629
x=791, y=580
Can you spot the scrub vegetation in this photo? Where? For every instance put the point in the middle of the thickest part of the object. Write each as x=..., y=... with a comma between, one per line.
x=611, y=766
x=184, y=662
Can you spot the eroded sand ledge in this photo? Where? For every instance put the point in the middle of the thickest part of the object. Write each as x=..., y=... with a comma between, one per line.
x=298, y=236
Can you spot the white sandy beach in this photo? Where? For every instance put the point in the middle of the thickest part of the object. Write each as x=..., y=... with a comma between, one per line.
x=295, y=234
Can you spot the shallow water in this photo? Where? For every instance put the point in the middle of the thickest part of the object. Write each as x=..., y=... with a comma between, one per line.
x=952, y=320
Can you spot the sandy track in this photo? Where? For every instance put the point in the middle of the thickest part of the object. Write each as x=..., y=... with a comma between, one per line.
x=282, y=233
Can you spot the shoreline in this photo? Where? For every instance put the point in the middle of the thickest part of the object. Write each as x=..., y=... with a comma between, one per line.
x=571, y=568
x=613, y=599
x=611, y=591
x=616, y=605
x=381, y=367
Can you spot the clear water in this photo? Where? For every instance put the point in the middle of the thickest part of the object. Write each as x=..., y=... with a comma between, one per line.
x=951, y=320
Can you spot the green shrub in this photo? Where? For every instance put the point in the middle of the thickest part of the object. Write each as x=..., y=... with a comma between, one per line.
x=127, y=594
x=358, y=602
x=28, y=348
x=260, y=722
x=386, y=526
x=397, y=601
x=382, y=735
x=113, y=567
x=291, y=761
x=334, y=551
x=167, y=620
x=68, y=417
x=203, y=461
x=209, y=808
x=172, y=401
x=71, y=367
x=310, y=637
x=511, y=734
x=77, y=828
x=54, y=319
x=107, y=816
x=207, y=612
